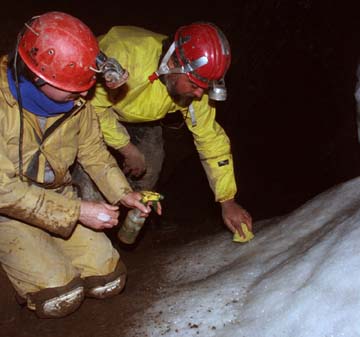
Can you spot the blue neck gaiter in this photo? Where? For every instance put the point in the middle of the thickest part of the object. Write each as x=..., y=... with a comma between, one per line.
x=35, y=100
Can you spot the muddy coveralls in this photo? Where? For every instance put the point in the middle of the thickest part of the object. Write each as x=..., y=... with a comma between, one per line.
x=139, y=102
x=51, y=260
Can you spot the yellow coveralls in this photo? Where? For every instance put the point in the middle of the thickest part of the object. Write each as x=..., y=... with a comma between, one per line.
x=138, y=50
x=41, y=243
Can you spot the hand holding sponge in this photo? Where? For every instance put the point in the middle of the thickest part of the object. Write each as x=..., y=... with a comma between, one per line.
x=248, y=235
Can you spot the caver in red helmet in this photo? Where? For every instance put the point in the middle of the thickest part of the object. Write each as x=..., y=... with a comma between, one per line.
x=203, y=51
x=61, y=50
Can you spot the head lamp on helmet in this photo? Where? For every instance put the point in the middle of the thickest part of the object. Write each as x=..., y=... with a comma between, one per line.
x=203, y=54
x=61, y=50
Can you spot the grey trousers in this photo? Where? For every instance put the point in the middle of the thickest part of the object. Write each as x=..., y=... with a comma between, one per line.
x=148, y=138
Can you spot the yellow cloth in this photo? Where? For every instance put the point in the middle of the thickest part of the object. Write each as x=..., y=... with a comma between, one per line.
x=248, y=235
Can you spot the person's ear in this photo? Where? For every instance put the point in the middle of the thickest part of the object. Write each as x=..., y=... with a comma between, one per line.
x=171, y=63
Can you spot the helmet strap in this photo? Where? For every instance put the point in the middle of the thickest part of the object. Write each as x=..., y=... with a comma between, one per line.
x=20, y=107
x=163, y=68
x=187, y=68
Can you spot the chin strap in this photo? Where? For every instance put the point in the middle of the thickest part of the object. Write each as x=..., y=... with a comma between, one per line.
x=163, y=68
x=192, y=115
x=187, y=68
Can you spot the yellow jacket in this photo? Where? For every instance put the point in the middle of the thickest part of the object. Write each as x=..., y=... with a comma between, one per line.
x=54, y=206
x=138, y=50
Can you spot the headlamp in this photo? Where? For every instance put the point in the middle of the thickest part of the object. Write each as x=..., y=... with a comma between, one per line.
x=217, y=91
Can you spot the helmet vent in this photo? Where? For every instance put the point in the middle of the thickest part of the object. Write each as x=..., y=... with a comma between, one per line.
x=34, y=51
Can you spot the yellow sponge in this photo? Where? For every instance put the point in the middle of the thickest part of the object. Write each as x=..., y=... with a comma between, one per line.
x=248, y=235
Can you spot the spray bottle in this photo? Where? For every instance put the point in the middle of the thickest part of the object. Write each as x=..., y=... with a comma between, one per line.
x=134, y=221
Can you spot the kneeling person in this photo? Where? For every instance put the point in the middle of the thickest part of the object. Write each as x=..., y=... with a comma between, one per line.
x=52, y=245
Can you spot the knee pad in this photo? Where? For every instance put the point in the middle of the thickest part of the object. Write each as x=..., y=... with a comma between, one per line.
x=107, y=285
x=57, y=302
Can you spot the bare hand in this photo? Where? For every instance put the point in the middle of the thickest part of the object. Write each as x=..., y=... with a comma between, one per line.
x=133, y=200
x=156, y=207
x=134, y=161
x=98, y=215
x=233, y=215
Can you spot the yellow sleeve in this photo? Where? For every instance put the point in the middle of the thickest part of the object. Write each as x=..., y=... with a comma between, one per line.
x=115, y=134
x=97, y=160
x=214, y=149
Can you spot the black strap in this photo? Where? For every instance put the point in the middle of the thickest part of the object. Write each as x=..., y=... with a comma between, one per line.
x=33, y=167
x=53, y=127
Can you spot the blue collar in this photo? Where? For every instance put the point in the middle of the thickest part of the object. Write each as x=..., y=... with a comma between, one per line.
x=35, y=100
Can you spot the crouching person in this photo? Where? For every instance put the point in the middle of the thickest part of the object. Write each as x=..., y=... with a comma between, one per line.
x=52, y=245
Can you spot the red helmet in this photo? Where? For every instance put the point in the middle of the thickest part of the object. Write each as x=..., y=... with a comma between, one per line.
x=203, y=51
x=61, y=50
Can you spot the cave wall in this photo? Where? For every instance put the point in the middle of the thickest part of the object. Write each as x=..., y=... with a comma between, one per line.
x=291, y=110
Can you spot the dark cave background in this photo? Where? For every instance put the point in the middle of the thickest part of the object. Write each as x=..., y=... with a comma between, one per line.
x=290, y=113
